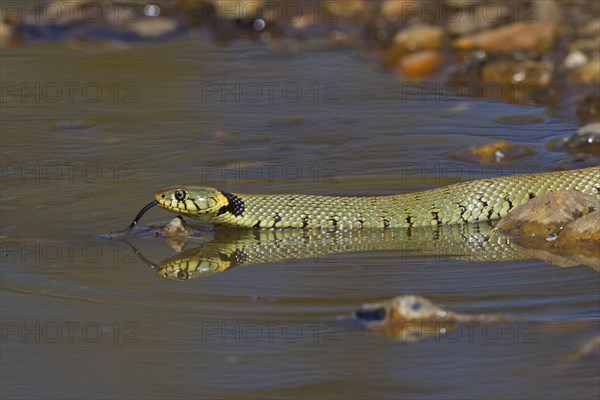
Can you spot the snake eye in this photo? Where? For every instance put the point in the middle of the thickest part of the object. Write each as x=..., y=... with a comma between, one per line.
x=180, y=195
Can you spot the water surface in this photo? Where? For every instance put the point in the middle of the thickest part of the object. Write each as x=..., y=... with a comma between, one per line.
x=74, y=168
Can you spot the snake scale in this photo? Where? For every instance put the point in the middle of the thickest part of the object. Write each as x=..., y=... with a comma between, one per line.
x=472, y=201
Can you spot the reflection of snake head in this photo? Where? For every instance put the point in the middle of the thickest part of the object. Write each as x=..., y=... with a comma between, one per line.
x=182, y=269
x=192, y=200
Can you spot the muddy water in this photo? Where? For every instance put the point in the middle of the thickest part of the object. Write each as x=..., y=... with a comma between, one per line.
x=105, y=127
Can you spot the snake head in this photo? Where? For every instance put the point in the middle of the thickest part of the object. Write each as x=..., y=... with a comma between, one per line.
x=191, y=200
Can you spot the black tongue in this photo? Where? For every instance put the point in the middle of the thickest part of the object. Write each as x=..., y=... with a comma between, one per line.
x=142, y=212
x=121, y=234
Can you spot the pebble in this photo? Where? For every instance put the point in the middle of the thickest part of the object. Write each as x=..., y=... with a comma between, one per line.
x=575, y=59
x=520, y=36
x=588, y=74
x=414, y=39
x=419, y=66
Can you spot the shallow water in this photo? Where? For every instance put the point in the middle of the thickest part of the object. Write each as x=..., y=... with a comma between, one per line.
x=83, y=317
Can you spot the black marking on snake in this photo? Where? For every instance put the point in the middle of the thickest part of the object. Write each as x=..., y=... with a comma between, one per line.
x=436, y=216
x=409, y=220
x=197, y=207
x=277, y=218
x=361, y=222
x=510, y=204
x=490, y=214
x=386, y=223
x=237, y=257
x=531, y=195
x=257, y=225
x=436, y=233
x=485, y=203
x=305, y=222
x=463, y=210
x=334, y=221
x=235, y=205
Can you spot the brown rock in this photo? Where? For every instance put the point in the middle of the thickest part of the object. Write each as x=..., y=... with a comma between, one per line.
x=588, y=74
x=585, y=140
x=399, y=10
x=415, y=39
x=6, y=32
x=467, y=20
x=565, y=257
x=344, y=9
x=420, y=37
x=421, y=65
x=507, y=39
x=492, y=153
x=591, y=29
x=589, y=110
x=240, y=9
x=544, y=217
x=590, y=347
x=586, y=46
x=584, y=229
x=150, y=28
x=527, y=72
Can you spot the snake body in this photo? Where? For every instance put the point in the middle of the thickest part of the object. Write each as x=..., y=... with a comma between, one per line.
x=478, y=200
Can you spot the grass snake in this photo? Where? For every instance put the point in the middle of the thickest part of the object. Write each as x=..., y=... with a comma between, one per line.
x=471, y=201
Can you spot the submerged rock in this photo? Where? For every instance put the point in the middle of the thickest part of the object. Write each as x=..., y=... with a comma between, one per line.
x=589, y=348
x=410, y=318
x=589, y=110
x=492, y=153
x=517, y=73
x=586, y=141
